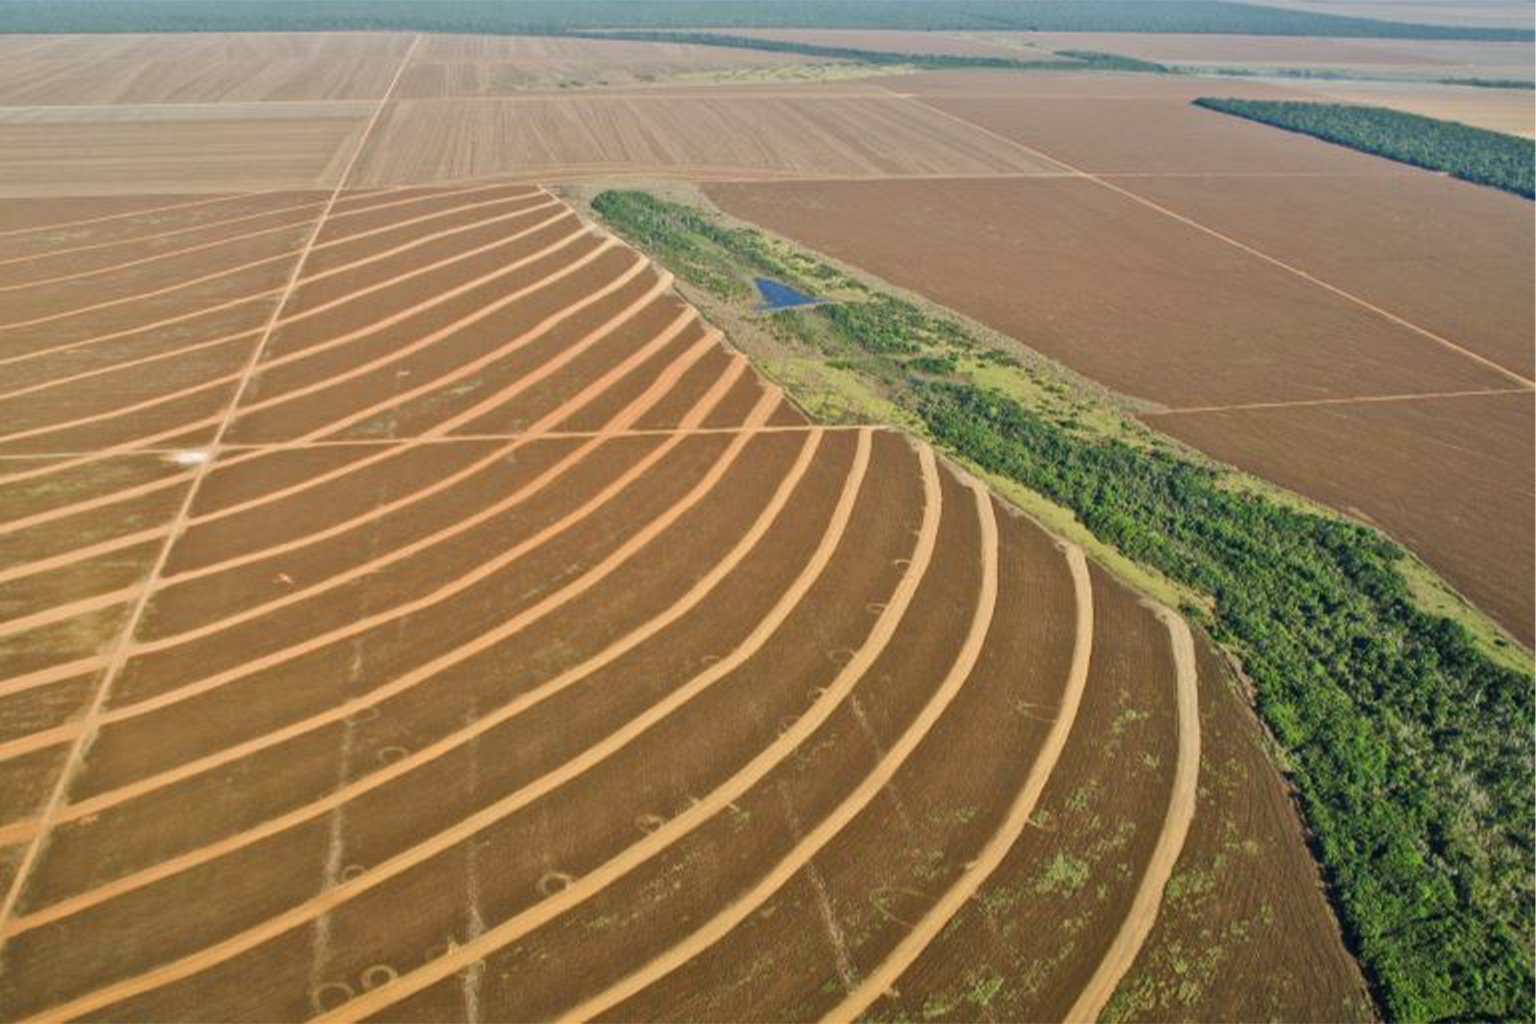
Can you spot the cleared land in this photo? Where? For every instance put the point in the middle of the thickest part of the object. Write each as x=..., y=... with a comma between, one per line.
x=449, y=65
x=1257, y=313
x=1500, y=110
x=408, y=490
x=1481, y=13
x=1437, y=58
x=197, y=68
x=746, y=134
x=96, y=150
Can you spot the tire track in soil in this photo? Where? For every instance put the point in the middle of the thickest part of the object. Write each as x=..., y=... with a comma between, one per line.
x=1148, y=900
x=477, y=225
x=17, y=831
x=380, y=873
x=641, y=404
x=870, y=787
x=884, y=977
x=269, y=364
x=524, y=702
x=700, y=810
x=117, y=656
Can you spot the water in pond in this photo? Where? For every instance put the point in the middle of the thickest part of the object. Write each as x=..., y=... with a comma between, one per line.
x=778, y=295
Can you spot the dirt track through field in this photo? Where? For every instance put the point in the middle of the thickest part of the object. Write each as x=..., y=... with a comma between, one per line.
x=1137, y=924
x=481, y=427
x=117, y=657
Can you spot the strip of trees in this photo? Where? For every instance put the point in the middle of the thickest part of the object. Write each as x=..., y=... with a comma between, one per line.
x=1472, y=154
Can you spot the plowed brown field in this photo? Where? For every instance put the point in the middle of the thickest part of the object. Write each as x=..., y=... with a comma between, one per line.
x=751, y=133
x=496, y=617
x=1171, y=264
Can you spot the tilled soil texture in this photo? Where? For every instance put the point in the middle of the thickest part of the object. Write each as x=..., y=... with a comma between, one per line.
x=517, y=652
x=196, y=68
x=746, y=131
x=206, y=147
x=458, y=65
x=1212, y=298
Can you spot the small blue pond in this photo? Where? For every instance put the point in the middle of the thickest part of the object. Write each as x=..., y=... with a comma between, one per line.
x=778, y=295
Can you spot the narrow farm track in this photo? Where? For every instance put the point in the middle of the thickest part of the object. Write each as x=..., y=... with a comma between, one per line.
x=409, y=545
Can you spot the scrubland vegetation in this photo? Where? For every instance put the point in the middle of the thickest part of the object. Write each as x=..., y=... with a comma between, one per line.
x=1472, y=154
x=493, y=16
x=1409, y=742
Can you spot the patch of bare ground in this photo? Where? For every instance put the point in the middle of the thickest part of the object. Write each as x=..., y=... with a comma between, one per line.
x=460, y=65
x=750, y=134
x=103, y=150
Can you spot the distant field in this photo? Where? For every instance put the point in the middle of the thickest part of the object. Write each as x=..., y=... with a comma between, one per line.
x=701, y=133
x=448, y=66
x=1478, y=13
x=1438, y=58
x=129, y=149
x=1157, y=309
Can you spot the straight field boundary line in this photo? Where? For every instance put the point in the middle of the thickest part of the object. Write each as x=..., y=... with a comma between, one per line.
x=1304, y=403
x=118, y=657
x=725, y=175
x=1241, y=246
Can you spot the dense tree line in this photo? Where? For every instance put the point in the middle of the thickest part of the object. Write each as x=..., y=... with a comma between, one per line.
x=1411, y=748
x=1491, y=83
x=522, y=16
x=1473, y=154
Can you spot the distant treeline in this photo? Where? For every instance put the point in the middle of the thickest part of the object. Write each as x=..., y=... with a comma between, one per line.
x=1411, y=748
x=1076, y=58
x=553, y=16
x=1491, y=83
x=1473, y=154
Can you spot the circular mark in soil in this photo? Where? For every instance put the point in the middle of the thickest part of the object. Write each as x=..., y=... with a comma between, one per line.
x=389, y=755
x=352, y=871
x=330, y=995
x=649, y=823
x=875, y=607
x=554, y=882
x=840, y=655
x=378, y=974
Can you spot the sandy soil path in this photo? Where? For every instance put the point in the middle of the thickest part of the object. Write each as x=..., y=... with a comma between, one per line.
x=933, y=922
x=719, y=926
x=1138, y=922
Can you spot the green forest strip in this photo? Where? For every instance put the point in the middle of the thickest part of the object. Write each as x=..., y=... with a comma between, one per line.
x=554, y=16
x=1472, y=154
x=1491, y=83
x=1410, y=745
